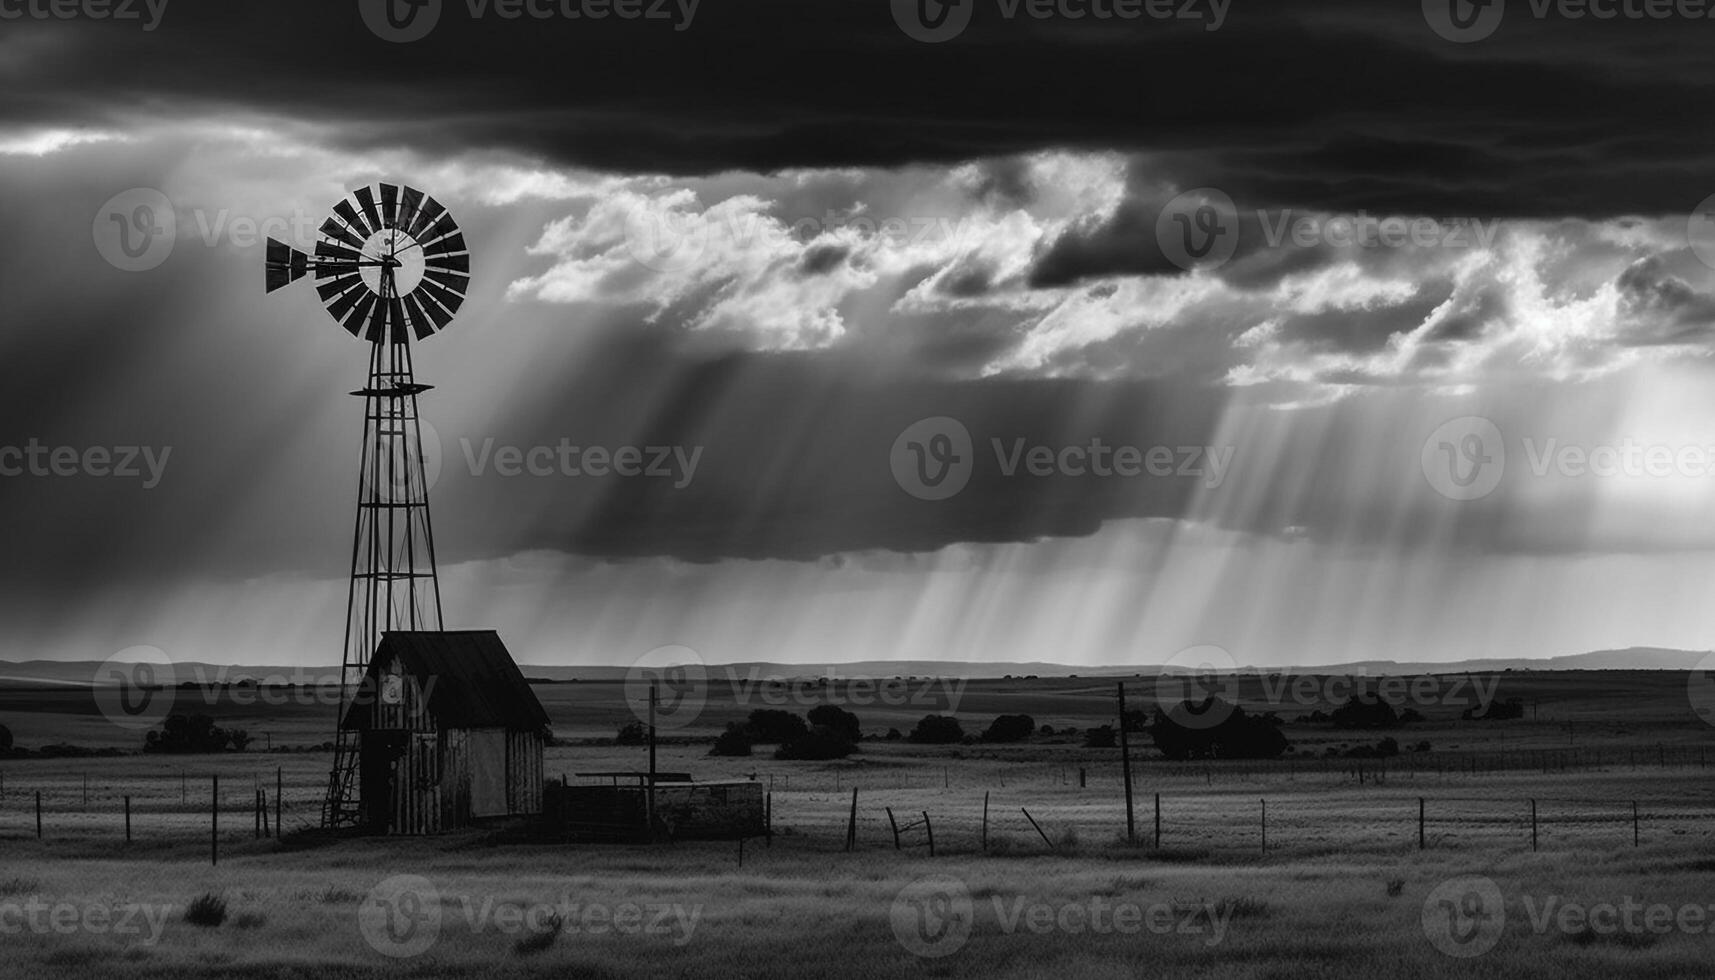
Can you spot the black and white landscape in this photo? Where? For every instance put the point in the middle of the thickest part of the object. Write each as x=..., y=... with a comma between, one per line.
x=857, y=487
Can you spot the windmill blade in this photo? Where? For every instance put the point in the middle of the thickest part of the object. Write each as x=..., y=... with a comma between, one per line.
x=285, y=264
x=349, y=215
x=408, y=205
x=451, y=280
x=377, y=330
x=438, y=313
x=449, y=263
x=443, y=226
x=452, y=243
x=338, y=232
x=389, y=206
x=446, y=297
x=340, y=307
x=354, y=320
x=366, y=201
x=426, y=215
x=338, y=285
x=337, y=252
x=396, y=314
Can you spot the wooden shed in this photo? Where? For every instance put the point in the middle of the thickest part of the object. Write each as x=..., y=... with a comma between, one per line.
x=449, y=733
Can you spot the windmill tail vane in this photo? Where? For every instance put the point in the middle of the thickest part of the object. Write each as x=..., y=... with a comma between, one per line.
x=390, y=265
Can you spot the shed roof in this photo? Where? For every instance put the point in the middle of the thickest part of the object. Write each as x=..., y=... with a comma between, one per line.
x=470, y=678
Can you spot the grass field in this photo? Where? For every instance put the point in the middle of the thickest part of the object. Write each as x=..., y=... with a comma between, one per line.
x=1341, y=887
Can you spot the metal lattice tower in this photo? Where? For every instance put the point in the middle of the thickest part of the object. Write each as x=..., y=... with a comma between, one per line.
x=391, y=267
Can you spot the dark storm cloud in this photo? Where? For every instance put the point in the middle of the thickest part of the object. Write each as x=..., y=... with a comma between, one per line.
x=1336, y=105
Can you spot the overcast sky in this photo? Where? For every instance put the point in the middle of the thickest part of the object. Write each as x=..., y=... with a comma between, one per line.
x=1327, y=262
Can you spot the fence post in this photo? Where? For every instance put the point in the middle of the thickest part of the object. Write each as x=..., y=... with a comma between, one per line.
x=1158, y=821
x=279, y=800
x=1533, y=825
x=38, y=814
x=851, y=824
x=1038, y=827
x=768, y=820
x=1265, y=828
x=1125, y=762
x=1421, y=807
x=128, y=820
x=214, y=822
x=929, y=829
x=895, y=825
x=1081, y=777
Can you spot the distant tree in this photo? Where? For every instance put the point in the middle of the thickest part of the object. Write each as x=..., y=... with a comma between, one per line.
x=1237, y=736
x=1045, y=730
x=838, y=719
x=937, y=730
x=893, y=735
x=194, y=733
x=735, y=741
x=1511, y=709
x=1010, y=728
x=1365, y=713
x=817, y=744
x=5, y=739
x=1101, y=737
x=775, y=727
x=631, y=733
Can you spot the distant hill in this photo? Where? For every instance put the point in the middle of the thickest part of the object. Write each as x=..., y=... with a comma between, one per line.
x=50, y=673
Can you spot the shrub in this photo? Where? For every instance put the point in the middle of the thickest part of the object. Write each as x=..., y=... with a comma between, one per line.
x=818, y=744
x=5, y=739
x=250, y=920
x=1010, y=728
x=631, y=733
x=893, y=735
x=1396, y=888
x=838, y=719
x=776, y=727
x=1360, y=713
x=735, y=741
x=207, y=910
x=541, y=940
x=937, y=730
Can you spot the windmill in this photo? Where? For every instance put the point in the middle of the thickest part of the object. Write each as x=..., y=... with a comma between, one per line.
x=391, y=266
